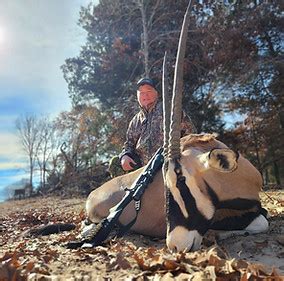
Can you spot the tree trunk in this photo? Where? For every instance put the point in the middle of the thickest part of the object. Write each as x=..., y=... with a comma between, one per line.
x=145, y=38
x=276, y=173
x=43, y=175
x=266, y=177
x=31, y=172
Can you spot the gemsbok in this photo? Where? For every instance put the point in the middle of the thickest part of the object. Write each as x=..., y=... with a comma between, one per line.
x=204, y=184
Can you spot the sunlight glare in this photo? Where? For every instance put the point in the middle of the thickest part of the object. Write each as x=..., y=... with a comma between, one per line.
x=2, y=35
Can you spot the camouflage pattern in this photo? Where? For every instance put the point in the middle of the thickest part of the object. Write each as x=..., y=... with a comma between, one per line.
x=145, y=133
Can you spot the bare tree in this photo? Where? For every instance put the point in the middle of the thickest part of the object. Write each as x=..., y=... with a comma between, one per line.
x=148, y=13
x=47, y=146
x=28, y=131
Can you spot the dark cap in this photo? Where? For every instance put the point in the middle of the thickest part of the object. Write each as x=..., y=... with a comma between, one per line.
x=146, y=81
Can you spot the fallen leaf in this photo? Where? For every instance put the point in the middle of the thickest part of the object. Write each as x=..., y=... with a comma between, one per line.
x=47, y=258
x=183, y=277
x=239, y=264
x=216, y=261
x=29, y=266
x=120, y=261
x=171, y=265
x=152, y=252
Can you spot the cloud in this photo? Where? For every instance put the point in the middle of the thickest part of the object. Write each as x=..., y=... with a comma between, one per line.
x=13, y=162
x=12, y=165
x=9, y=144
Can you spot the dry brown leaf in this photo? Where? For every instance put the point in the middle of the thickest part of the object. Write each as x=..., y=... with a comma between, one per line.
x=156, y=262
x=276, y=275
x=245, y=276
x=122, y=262
x=9, y=270
x=239, y=264
x=82, y=214
x=181, y=256
x=140, y=262
x=216, y=261
x=51, y=252
x=29, y=266
x=257, y=269
x=47, y=258
x=36, y=253
x=21, y=245
x=170, y=265
x=14, y=262
x=151, y=252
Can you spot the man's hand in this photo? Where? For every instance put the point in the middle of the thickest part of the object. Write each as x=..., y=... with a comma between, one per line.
x=126, y=162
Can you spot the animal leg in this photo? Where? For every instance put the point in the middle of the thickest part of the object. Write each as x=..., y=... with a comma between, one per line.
x=258, y=225
x=99, y=204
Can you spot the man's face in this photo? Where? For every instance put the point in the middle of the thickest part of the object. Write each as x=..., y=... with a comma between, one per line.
x=147, y=96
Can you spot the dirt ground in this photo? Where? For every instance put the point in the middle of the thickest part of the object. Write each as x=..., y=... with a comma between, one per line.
x=133, y=257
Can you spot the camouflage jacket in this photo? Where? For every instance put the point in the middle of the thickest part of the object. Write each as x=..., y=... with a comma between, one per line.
x=145, y=134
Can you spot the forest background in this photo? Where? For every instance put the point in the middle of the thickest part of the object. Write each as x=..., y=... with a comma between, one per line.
x=233, y=86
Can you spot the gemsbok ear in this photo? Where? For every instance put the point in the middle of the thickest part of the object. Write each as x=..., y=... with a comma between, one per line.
x=224, y=160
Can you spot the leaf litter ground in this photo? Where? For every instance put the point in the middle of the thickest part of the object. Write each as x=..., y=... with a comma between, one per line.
x=134, y=256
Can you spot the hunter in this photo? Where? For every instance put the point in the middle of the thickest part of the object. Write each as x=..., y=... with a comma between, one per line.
x=145, y=131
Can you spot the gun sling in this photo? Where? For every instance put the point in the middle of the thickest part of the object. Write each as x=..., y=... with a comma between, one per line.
x=134, y=193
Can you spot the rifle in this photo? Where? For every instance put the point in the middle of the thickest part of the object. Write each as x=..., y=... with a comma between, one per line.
x=99, y=233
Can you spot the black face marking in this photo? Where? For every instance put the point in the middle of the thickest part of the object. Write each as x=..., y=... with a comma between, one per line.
x=195, y=220
x=237, y=213
x=239, y=204
x=264, y=212
x=237, y=155
x=213, y=196
x=223, y=160
x=234, y=214
x=234, y=222
x=234, y=204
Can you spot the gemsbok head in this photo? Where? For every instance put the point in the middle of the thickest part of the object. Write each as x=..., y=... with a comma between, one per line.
x=195, y=171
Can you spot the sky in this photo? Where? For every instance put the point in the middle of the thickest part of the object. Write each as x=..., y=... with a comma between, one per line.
x=36, y=36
